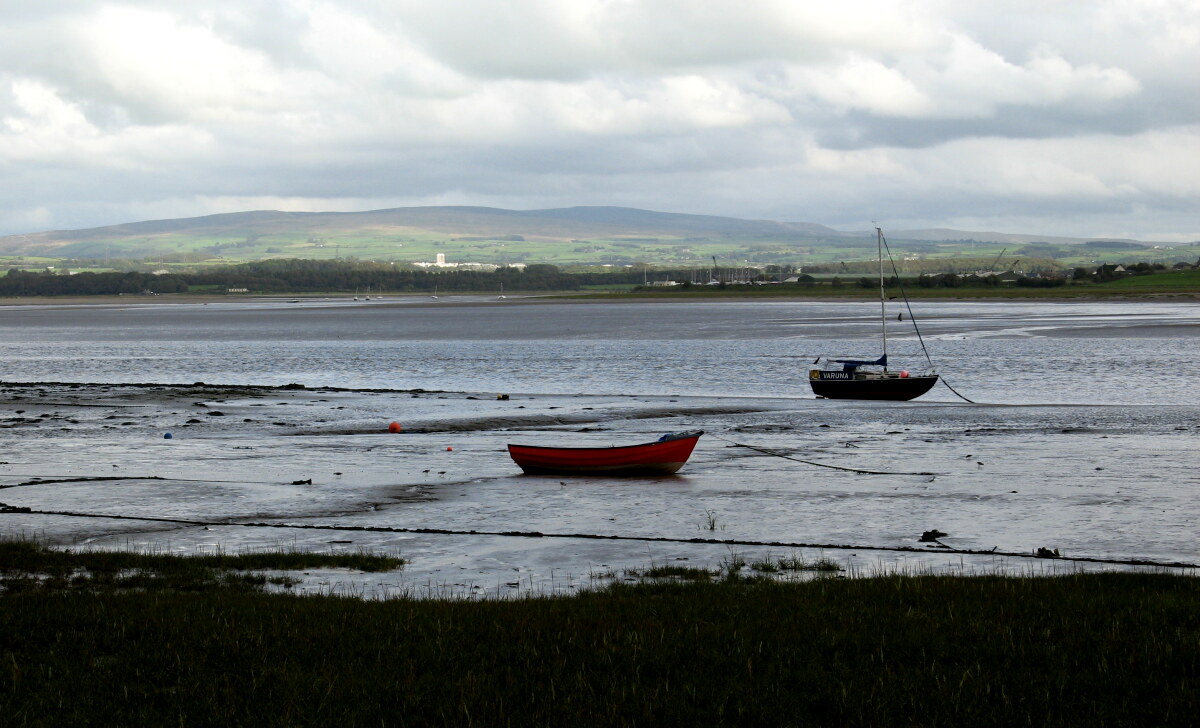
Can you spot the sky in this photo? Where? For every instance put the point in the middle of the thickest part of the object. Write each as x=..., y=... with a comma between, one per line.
x=1076, y=118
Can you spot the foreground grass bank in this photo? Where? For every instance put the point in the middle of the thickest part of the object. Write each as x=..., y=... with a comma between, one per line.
x=1113, y=649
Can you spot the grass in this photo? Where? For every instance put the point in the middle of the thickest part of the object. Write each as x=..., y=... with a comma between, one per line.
x=1164, y=281
x=28, y=566
x=1171, y=283
x=799, y=563
x=765, y=565
x=565, y=245
x=1111, y=649
x=671, y=572
x=731, y=569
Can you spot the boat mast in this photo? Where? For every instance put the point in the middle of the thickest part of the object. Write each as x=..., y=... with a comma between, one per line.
x=882, y=295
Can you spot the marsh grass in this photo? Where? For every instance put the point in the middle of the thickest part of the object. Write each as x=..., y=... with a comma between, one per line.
x=732, y=564
x=677, y=572
x=765, y=565
x=799, y=563
x=1088, y=649
x=26, y=565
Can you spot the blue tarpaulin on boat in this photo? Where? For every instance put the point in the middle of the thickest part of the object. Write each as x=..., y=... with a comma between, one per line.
x=851, y=364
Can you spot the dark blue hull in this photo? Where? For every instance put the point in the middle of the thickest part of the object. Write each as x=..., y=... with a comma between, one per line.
x=890, y=386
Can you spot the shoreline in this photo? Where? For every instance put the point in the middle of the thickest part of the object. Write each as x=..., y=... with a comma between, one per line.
x=476, y=299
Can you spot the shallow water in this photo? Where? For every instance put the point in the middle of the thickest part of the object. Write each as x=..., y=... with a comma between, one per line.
x=1016, y=353
x=1088, y=445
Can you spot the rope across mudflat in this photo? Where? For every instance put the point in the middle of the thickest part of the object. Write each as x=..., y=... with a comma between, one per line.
x=939, y=548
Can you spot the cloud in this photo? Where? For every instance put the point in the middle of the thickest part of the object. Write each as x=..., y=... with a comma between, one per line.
x=44, y=129
x=548, y=40
x=761, y=108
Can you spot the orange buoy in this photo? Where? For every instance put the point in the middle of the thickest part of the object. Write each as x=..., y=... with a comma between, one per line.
x=395, y=427
x=449, y=449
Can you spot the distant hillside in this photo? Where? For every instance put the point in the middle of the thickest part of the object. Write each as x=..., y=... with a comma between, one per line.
x=677, y=223
x=562, y=224
x=946, y=234
x=565, y=236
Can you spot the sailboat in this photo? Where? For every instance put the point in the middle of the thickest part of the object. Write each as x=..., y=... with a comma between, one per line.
x=871, y=379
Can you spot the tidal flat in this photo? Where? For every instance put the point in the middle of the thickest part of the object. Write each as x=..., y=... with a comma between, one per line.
x=1080, y=439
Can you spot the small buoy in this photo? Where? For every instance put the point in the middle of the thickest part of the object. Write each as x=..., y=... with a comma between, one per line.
x=167, y=436
x=395, y=427
x=501, y=396
x=449, y=449
x=904, y=374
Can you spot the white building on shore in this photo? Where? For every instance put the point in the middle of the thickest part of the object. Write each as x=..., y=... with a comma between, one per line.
x=442, y=264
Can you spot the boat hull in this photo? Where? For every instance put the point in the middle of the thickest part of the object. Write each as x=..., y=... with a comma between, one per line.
x=889, y=387
x=652, y=458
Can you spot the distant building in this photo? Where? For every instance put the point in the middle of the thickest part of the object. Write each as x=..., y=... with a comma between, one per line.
x=440, y=262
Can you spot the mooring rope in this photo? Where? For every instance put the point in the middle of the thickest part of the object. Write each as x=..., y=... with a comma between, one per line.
x=765, y=451
x=913, y=319
x=82, y=479
x=613, y=537
x=952, y=389
x=59, y=479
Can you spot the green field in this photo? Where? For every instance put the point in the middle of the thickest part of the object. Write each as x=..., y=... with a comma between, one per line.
x=568, y=237
x=1161, y=283
x=1182, y=281
x=170, y=251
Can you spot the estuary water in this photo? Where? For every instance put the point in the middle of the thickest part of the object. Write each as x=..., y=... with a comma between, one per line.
x=1082, y=437
x=1014, y=353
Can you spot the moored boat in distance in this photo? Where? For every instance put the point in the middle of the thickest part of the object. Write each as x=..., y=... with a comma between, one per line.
x=851, y=383
x=661, y=457
x=851, y=380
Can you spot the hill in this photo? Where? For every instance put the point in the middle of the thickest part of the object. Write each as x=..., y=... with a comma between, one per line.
x=947, y=234
x=573, y=235
x=484, y=222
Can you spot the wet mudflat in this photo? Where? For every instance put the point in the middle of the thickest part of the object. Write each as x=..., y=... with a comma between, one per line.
x=1097, y=467
x=1099, y=482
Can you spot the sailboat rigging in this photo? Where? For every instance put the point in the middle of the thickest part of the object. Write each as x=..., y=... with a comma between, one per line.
x=867, y=379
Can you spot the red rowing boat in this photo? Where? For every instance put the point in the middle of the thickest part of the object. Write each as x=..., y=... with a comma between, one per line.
x=663, y=456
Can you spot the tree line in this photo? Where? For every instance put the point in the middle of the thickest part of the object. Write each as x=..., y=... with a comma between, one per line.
x=288, y=276
x=299, y=275
x=326, y=276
